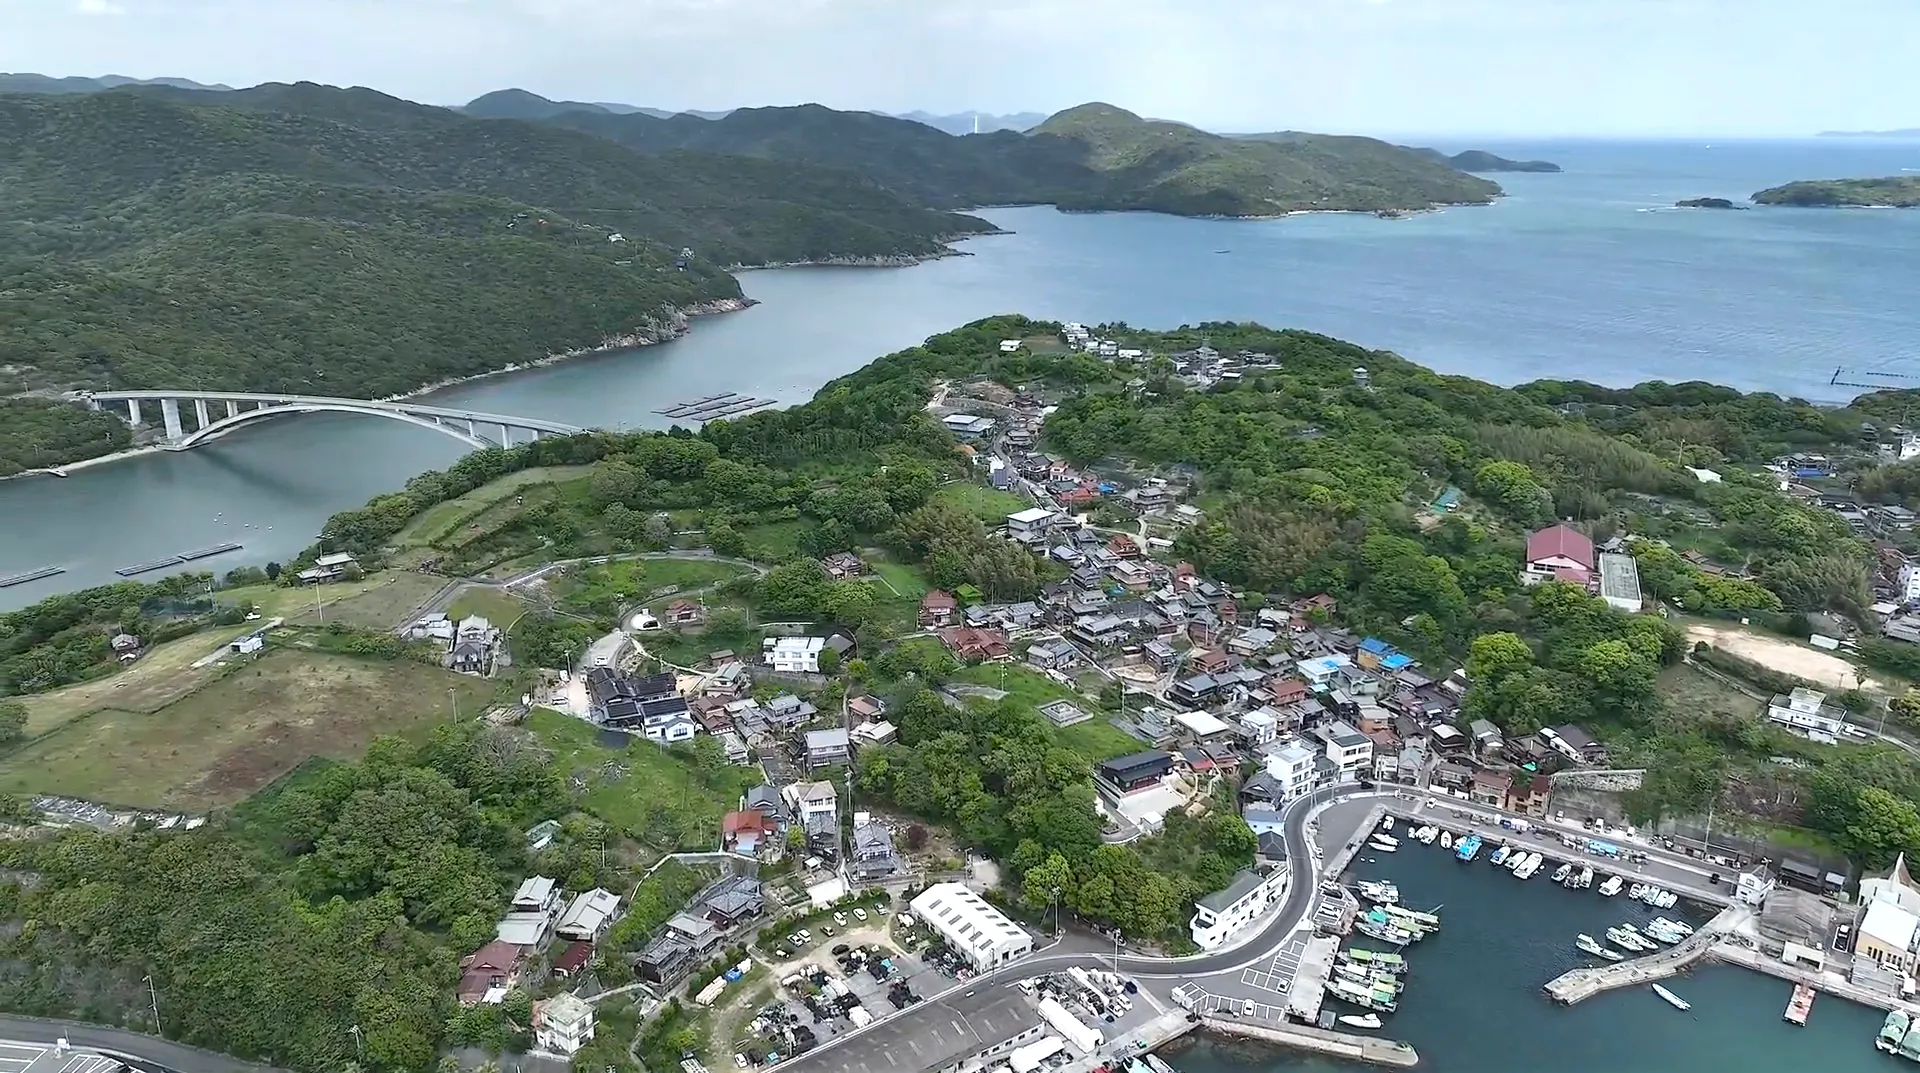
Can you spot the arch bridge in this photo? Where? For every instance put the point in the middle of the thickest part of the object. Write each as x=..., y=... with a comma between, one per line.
x=218, y=412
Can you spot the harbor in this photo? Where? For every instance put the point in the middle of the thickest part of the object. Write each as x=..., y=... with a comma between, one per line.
x=713, y=407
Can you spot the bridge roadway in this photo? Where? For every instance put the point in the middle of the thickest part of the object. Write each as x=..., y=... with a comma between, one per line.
x=245, y=407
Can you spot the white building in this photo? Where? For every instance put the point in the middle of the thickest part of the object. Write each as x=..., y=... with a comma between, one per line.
x=1753, y=887
x=811, y=800
x=968, y=426
x=1347, y=748
x=979, y=932
x=563, y=1025
x=1030, y=526
x=1890, y=927
x=799, y=654
x=588, y=915
x=1260, y=726
x=1909, y=582
x=1220, y=914
x=1320, y=671
x=1620, y=582
x=1291, y=765
x=1806, y=711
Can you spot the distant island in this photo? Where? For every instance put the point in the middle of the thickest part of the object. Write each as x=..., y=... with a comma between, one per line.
x=1707, y=203
x=1479, y=160
x=1896, y=192
x=1904, y=132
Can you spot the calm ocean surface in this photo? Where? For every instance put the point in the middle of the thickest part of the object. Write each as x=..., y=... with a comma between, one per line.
x=1473, y=1002
x=1585, y=274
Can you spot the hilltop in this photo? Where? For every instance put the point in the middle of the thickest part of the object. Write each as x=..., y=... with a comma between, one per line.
x=1094, y=157
x=1897, y=192
x=1479, y=160
x=306, y=238
x=27, y=82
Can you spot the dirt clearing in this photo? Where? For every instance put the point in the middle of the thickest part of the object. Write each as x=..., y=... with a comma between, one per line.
x=1787, y=657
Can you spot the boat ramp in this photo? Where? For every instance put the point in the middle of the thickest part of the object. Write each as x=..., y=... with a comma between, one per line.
x=31, y=575
x=712, y=407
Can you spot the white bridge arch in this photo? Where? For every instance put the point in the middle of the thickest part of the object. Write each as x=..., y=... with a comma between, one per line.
x=218, y=412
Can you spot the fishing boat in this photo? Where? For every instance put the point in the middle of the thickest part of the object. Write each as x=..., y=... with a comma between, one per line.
x=1638, y=892
x=1446, y=840
x=1383, y=931
x=1587, y=944
x=1427, y=834
x=1384, y=960
x=1468, y=848
x=1378, y=981
x=1529, y=866
x=1381, y=891
x=1499, y=856
x=1412, y=919
x=1383, y=847
x=1386, y=824
x=1627, y=940
x=1360, y=1020
x=1361, y=995
x=1680, y=926
x=1667, y=900
x=1388, y=839
x=1612, y=886
x=1674, y=1000
x=1893, y=1031
x=1562, y=873
x=1586, y=877
x=1664, y=932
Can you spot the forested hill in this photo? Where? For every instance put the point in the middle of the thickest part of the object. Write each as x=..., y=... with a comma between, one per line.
x=1093, y=157
x=305, y=238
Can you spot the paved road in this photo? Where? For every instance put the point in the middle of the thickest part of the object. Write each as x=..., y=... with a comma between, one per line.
x=148, y=1051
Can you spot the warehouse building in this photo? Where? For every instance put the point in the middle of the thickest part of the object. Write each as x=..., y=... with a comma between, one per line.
x=976, y=931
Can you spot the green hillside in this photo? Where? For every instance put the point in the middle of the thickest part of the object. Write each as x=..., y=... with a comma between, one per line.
x=1896, y=192
x=1094, y=157
x=305, y=238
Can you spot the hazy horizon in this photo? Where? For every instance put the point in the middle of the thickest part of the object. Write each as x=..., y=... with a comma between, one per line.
x=1506, y=69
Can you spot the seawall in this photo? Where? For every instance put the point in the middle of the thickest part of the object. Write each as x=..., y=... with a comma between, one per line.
x=1380, y=1052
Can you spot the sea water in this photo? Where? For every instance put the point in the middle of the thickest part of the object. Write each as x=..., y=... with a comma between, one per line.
x=1473, y=1001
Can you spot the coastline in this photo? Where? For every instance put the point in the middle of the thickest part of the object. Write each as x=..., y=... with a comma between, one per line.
x=653, y=331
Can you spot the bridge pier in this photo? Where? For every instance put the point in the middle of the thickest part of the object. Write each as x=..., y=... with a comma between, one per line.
x=470, y=430
x=200, y=414
x=170, y=412
x=506, y=436
x=133, y=411
x=233, y=408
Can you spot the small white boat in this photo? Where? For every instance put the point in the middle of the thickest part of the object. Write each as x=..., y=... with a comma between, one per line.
x=1676, y=1001
x=1589, y=945
x=1586, y=877
x=1638, y=892
x=1383, y=847
x=1612, y=886
x=1680, y=926
x=1387, y=824
x=1388, y=839
x=1499, y=856
x=1668, y=899
x=1561, y=873
x=1446, y=840
x=1360, y=1020
x=1529, y=866
x=1383, y=892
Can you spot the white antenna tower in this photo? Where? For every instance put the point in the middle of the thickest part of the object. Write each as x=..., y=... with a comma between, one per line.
x=976, y=122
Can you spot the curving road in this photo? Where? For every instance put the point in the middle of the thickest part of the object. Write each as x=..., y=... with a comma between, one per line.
x=136, y=1048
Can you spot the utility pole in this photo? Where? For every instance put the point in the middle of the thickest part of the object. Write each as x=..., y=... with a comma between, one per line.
x=455, y=702
x=1056, y=912
x=359, y=1045
x=153, y=997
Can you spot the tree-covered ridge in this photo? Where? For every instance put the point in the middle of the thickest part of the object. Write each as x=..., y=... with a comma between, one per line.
x=303, y=238
x=1894, y=191
x=1094, y=157
x=37, y=432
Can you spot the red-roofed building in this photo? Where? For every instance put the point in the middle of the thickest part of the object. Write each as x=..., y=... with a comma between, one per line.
x=937, y=608
x=1124, y=546
x=746, y=831
x=1557, y=547
x=489, y=970
x=968, y=644
x=572, y=960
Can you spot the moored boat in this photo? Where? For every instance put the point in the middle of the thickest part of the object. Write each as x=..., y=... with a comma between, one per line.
x=1446, y=840
x=1529, y=866
x=1382, y=847
x=1386, y=824
x=1562, y=873
x=1676, y=1001
x=1680, y=926
x=1499, y=856
x=1892, y=1031
x=1360, y=1020
x=1586, y=877
x=1589, y=945
x=1627, y=940
x=1380, y=891
x=1612, y=886
x=1388, y=839
x=1468, y=848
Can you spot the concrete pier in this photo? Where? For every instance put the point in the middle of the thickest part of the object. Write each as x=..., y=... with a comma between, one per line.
x=200, y=414
x=233, y=408
x=1380, y=1052
x=170, y=413
x=133, y=411
x=1580, y=984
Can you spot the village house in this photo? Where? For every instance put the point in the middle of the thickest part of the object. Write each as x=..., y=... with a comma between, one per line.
x=937, y=609
x=487, y=974
x=1490, y=788
x=825, y=748
x=1528, y=796
x=685, y=614
x=588, y=915
x=1559, y=553
x=842, y=565
x=1051, y=654
x=748, y=831
x=975, y=646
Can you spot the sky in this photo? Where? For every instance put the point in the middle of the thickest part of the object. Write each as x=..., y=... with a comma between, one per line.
x=1514, y=68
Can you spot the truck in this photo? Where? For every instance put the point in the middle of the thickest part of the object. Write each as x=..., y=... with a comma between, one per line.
x=1069, y=1026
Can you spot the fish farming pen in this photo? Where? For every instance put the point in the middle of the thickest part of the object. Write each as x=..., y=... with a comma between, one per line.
x=727, y=404
x=31, y=575
x=202, y=553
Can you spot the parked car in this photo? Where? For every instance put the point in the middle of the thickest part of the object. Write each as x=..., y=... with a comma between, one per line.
x=860, y=914
x=840, y=919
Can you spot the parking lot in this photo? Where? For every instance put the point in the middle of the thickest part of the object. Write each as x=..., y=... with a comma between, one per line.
x=841, y=983
x=37, y=1058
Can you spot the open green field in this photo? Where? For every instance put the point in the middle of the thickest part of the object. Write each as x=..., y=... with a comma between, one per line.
x=900, y=580
x=773, y=542
x=647, y=792
x=378, y=601
x=239, y=732
x=1096, y=739
x=491, y=604
x=990, y=505
x=162, y=676
x=1691, y=691
x=441, y=520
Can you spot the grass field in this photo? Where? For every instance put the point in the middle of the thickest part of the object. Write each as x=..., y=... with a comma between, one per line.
x=1693, y=692
x=156, y=680
x=1096, y=739
x=378, y=601
x=903, y=581
x=439, y=521
x=774, y=542
x=990, y=505
x=238, y=733
x=644, y=790
x=491, y=604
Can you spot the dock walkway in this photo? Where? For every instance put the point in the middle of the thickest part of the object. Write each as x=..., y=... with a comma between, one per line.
x=1579, y=984
x=1379, y=1052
